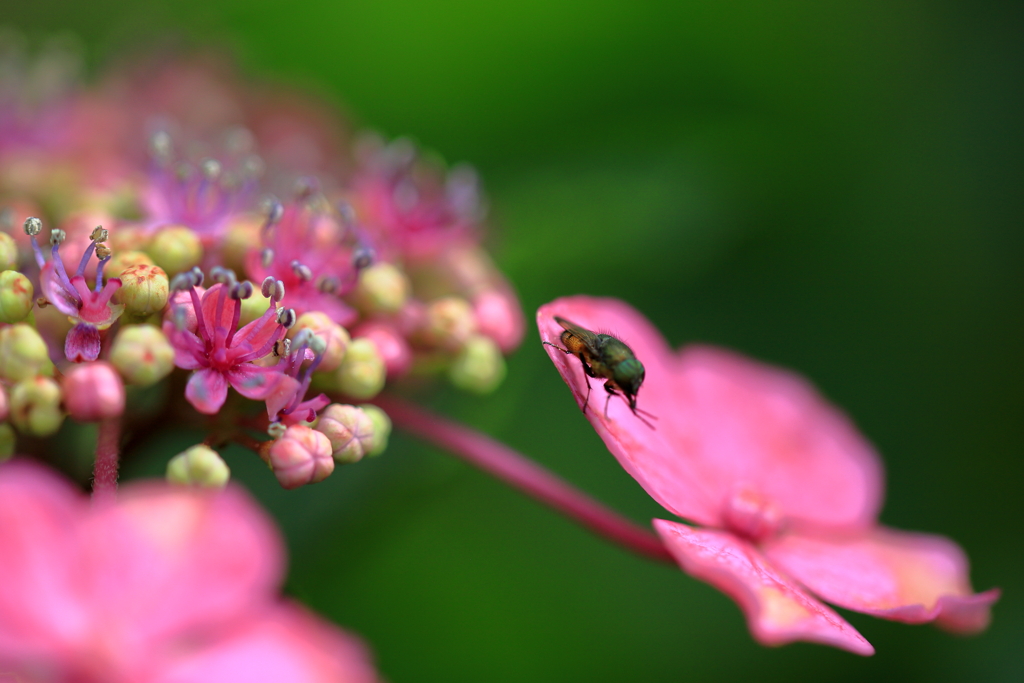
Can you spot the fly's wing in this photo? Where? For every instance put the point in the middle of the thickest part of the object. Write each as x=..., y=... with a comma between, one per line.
x=579, y=337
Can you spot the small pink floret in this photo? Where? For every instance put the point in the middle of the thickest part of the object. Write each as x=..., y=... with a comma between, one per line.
x=93, y=392
x=301, y=456
x=787, y=487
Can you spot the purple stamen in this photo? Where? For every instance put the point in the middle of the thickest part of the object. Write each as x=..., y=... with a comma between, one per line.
x=85, y=260
x=99, y=271
x=62, y=274
x=40, y=258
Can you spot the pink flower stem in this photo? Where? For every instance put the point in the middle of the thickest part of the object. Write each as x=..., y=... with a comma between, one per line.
x=513, y=468
x=104, y=477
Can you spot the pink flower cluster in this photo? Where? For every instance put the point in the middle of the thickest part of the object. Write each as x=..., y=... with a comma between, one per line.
x=166, y=585
x=784, y=489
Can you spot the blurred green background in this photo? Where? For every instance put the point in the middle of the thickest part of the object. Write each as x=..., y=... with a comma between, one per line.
x=831, y=186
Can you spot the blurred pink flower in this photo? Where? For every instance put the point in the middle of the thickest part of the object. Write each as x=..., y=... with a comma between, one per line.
x=165, y=585
x=787, y=490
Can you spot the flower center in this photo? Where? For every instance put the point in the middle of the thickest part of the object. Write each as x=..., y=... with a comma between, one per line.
x=750, y=514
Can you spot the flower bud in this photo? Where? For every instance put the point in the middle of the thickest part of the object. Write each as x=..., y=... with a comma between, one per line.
x=8, y=252
x=8, y=440
x=182, y=301
x=4, y=406
x=128, y=239
x=144, y=289
x=93, y=392
x=381, y=429
x=350, y=431
x=301, y=456
x=35, y=406
x=142, y=354
x=499, y=317
x=391, y=345
x=254, y=307
x=479, y=366
x=449, y=323
x=123, y=260
x=198, y=466
x=176, y=249
x=382, y=288
x=240, y=234
x=16, y=296
x=23, y=353
x=333, y=334
x=361, y=373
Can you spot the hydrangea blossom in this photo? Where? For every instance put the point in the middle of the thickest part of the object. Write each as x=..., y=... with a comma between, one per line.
x=784, y=488
x=168, y=584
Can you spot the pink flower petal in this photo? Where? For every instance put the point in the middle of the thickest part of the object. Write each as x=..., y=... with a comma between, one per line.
x=170, y=562
x=287, y=644
x=778, y=611
x=38, y=518
x=253, y=381
x=728, y=427
x=218, y=310
x=892, y=574
x=206, y=391
x=82, y=343
x=55, y=292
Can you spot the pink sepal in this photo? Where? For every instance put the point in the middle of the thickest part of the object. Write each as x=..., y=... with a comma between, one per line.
x=253, y=381
x=778, y=611
x=892, y=574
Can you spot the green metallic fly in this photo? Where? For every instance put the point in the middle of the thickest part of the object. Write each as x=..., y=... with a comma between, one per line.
x=603, y=356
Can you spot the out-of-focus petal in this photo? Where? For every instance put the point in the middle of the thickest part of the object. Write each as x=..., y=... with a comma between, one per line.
x=39, y=602
x=206, y=391
x=892, y=574
x=170, y=561
x=727, y=425
x=778, y=611
x=287, y=644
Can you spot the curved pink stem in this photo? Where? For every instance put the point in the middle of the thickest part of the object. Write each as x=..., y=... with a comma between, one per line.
x=108, y=442
x=513, y=468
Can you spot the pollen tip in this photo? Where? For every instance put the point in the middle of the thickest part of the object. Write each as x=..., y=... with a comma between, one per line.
x=33, y=225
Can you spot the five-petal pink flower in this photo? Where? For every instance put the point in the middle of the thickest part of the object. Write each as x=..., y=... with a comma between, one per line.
x=784, y=488
x=166, y=585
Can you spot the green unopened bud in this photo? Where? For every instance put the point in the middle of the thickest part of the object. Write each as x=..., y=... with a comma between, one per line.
x=382, y=288
x=123, y=260
x=198, y=466
x=144, y=289
x=479, y=366
x=8, y=252
x=381, y=429
x=8, y=440
x=253, y=307
x=128, y=239
x=334, y=335
x=449, y=322
x=176, y=249
x=350, y=431
x=16, y=294
x=23, y=353
x=240, y=234
x=35, y=406
x=362, y=372
x=142, y=354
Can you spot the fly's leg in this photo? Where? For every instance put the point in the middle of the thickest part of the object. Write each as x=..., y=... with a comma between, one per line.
x=611, y=392
x=589, y=374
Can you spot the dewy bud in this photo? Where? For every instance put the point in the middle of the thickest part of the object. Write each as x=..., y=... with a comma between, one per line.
x=381, y=429
x=335, y=336
x=23, y=353
x=142, y=354
x=35, y=406
x=479, y=366
x=382, y=288
x=175, y=249
x=350, y=431
x=449, y=323
x=301, y=456
x=362, y=372
x=8, y=440
x=93, y=392
x=16, y=296
x=123, y=260
x=8, y=252
x=144, y=289
x=198, y=466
